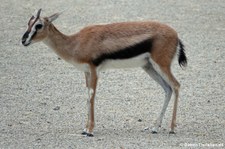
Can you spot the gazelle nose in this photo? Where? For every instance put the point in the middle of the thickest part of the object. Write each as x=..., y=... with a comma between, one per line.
x=25, y=36
x=23, y=41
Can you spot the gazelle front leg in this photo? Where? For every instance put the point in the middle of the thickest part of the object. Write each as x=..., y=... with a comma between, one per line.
x=91, y=82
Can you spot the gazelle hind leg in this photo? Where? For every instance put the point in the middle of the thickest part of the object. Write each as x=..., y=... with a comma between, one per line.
x=176, y=92
x=173, y=123
x=168, y=77
x=175, y=86
x=168, y=92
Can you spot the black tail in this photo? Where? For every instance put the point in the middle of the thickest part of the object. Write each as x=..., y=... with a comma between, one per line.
x=182, y=59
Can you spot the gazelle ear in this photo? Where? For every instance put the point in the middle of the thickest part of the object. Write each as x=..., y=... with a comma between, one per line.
x=53, y=17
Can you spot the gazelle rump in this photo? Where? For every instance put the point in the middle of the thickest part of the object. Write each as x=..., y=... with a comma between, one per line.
x=149, y=45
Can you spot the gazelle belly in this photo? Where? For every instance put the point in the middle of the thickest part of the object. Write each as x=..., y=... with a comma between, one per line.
x=133, y=62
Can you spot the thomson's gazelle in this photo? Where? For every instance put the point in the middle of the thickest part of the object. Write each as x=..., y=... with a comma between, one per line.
x=149, y=45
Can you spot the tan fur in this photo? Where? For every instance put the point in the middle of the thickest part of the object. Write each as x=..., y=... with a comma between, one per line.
x=92, y=41
x=95, y=40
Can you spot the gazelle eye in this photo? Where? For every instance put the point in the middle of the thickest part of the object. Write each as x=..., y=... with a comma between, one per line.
x=38, y=26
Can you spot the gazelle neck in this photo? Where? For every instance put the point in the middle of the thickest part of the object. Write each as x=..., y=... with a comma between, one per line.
x=60, y=43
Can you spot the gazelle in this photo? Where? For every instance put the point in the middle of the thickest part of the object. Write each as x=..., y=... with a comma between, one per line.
x=149, y=45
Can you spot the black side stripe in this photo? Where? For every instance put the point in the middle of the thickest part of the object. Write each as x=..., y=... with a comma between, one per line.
x=126, y=53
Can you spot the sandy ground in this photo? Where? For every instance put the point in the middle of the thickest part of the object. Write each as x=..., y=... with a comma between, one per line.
x=43, y=99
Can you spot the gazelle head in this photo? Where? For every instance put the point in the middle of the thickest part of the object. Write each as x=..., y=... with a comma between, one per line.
x=37, y=29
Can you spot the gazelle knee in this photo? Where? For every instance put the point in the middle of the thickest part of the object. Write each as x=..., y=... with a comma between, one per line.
x=176, y=87
x=168, y=90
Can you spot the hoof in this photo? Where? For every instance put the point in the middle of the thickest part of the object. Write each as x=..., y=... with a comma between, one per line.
x=154, y=130
x=172, y=132
x=89, y=135
x=84, y=133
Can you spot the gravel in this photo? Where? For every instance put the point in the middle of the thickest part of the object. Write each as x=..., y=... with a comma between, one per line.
x=43, y=99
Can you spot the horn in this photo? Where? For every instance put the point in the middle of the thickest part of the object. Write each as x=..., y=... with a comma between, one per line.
x=38, y=13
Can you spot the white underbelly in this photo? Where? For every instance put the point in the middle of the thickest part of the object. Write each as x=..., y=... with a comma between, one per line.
x=138, y=61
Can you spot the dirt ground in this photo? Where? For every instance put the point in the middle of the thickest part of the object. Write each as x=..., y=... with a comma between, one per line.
x=43, y=99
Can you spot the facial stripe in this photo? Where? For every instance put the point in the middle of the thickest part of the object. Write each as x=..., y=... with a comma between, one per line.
x=25, y=36
x=32, y=23
x=31, y=31
x=35, y=32
x=126, y=53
